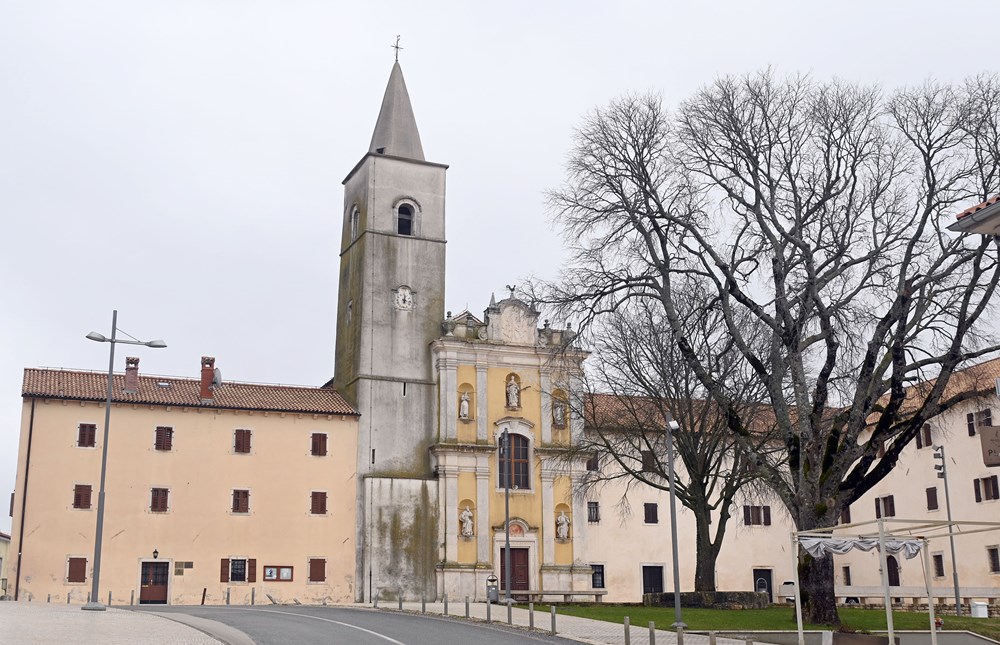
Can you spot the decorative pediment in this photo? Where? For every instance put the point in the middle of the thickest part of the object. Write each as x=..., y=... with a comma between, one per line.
x=513, y=322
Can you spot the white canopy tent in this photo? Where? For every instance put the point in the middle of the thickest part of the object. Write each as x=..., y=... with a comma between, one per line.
x=909, y=537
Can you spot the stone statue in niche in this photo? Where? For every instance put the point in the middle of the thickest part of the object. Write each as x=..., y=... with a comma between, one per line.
x=463, y=407
x=513, y=393
x=465, y=517
x=562, y=526
x=559, y=413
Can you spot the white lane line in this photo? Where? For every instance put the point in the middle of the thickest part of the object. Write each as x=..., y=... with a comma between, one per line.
x=326, y=620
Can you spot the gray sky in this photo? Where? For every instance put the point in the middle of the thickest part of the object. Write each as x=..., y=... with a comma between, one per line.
x=181, y=160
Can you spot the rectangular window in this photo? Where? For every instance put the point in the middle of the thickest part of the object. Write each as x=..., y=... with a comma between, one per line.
x=648, y=461
x=597, y=576
x=319, y=444
x=650, y=513
x=924, y=437
x=159, y=500
x=81, y=495
x=318, y=503
x=593, y=463
x=847, y=576
x=241, y=441
x=932, y=502
x=593, y=512
x=241, y=501
x=86, y=435
x=757, y=515
x=845, y=515
x=238, y=570
x=993, y=553
x=986, y=488
x=164, y=438
x=977, y=419
x=885, y=507
x=317, y=570
x=77, y=570
x=938, y=562
x=518, y=463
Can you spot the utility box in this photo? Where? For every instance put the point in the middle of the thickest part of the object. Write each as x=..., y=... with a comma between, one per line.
x=492, y=589
x=980, y=610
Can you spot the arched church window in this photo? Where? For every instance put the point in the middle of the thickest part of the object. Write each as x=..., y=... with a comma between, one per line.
x=404, y=219
x=355, y=216
x=518, y=465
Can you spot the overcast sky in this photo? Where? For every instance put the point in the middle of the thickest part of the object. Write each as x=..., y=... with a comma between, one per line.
x=181, y=161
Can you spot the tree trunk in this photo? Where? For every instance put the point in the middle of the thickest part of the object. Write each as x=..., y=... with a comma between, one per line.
x=706, y=555
x=819, y=604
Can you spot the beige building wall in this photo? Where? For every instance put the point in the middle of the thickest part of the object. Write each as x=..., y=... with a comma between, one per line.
x=199, y=529
x=908, y=484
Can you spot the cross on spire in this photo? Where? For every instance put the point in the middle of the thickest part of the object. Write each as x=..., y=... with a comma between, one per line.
x=396, y=47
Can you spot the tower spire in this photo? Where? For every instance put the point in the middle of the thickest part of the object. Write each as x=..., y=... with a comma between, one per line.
x=396, y=130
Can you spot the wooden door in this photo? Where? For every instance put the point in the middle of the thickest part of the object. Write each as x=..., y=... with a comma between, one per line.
x=518, y=569
x=652, y=579
x=153, y=590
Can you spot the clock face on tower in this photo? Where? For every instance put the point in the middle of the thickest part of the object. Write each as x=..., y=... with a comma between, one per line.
x=402, y=298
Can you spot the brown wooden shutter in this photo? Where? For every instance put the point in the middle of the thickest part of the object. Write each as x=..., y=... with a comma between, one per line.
x=979, y=492
x=224, y=571
x=747, y=520
x=319, y=444
x=932, y=501
x=77, y=571
x=920, y=440
x=970, y=422
x=845, y=515
x=81, y=496
x=317, y=570
x=318, y=503
x=890, y=506
x=767, y=515
x=242, y=441
x=252, y=570
x=878, y=508
x=995, y=488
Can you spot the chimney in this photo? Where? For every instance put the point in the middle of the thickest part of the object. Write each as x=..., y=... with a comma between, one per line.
x=131, y=375
x=207, y=375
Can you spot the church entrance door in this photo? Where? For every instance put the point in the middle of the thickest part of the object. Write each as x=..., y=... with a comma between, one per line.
x=518, y=569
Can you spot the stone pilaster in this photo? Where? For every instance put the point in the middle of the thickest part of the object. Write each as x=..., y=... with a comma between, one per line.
x=548, y=519
x=546, y=385
x=481, y=412
x=483, y=537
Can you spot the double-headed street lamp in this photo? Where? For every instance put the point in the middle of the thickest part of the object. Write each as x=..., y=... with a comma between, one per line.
x=95, y=604
x=942, y=473
x=672, y=427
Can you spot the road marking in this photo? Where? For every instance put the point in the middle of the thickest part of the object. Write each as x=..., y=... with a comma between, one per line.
x=326, y=620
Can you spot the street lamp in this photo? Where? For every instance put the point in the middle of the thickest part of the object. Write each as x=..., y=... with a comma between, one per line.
x=505, y=451
x=94, y=604
x=943, y=474
x=672, y=427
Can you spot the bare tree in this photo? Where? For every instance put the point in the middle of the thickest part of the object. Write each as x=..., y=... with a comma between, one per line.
x=639, y=382
x=819, y=211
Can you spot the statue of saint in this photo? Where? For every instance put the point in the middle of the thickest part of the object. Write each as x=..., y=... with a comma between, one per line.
x=513, y=393
x=463, y=406
x=465, y=517
x=562, y=526
x=558, y=414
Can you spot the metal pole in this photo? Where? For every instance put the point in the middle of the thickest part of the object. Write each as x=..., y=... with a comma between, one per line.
x=927, y=583
x=652, y=633
x=672, y=426
x=627, y=638
x=446, y=604
x=553, y=609
x=506, y=514
x=99, y=536
x=798, y=595
x=951, y=534
x=531, y=616
x=885, y=574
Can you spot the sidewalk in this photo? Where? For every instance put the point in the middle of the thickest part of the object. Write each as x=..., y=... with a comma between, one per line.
x=585, y=630
x=39, y=623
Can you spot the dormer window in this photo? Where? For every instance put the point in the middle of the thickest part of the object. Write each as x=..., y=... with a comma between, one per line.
x=404, y=219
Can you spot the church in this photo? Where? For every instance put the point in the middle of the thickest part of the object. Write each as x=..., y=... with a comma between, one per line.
x=439, y=439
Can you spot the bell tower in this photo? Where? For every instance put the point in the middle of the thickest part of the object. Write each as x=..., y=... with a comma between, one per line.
x=391, y=296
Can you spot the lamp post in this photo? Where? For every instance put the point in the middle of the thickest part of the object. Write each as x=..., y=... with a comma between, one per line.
x=943, y=474
x=672, y=427
x=94, y=604
x=505, y=451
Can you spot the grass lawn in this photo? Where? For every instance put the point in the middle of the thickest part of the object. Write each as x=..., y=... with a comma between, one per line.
x=780, y=618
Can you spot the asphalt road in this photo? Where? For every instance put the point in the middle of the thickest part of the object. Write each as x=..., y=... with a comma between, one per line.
x=301, y=625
